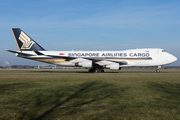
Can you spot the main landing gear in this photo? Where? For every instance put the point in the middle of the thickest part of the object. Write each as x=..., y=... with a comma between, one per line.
x=96, y=70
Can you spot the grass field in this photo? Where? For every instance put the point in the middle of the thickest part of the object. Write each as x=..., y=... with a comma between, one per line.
x=76, y=94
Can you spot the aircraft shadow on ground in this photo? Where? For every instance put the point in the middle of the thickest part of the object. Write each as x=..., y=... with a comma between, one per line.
x=66, y=100
x=48, y=71
x=96, y=73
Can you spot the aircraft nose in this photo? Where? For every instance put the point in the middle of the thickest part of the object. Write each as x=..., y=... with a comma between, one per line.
x=175, y=58
x=171, y=58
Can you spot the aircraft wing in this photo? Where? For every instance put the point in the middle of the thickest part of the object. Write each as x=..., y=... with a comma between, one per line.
x=87, y=58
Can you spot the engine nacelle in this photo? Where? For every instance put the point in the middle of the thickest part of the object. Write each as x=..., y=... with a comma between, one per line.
x=86, y=64
x=113, y=66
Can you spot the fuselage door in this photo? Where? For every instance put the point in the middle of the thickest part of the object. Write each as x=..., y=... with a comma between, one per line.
x=157, y=59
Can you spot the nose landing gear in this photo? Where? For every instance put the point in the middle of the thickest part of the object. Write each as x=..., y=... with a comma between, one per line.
x=158, y=69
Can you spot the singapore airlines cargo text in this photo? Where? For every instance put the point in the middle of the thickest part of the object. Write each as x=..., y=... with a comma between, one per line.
x=108, y=54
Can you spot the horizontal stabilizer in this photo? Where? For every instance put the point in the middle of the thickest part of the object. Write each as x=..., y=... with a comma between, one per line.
x=20, y=53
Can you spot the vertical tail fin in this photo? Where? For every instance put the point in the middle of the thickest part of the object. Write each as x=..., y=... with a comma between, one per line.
x=24, y=42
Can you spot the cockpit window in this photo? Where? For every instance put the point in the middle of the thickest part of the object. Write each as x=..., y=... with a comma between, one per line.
x=163, y=50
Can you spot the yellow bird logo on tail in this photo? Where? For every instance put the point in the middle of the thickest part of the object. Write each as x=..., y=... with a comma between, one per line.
x=27, y=43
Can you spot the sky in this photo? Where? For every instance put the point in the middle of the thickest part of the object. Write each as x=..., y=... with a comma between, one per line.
x=66, y=25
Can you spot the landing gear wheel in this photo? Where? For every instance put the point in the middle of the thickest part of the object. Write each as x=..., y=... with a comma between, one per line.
x=91, y=70
x=158, y=70
x=96, y=70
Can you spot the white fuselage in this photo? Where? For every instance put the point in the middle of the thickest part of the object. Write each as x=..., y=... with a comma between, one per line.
x=125, y=58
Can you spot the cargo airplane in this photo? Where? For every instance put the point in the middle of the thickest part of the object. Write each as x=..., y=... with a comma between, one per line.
x=96, y=61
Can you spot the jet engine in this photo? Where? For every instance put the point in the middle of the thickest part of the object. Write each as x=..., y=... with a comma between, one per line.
x=113, y=66
x=86, y=64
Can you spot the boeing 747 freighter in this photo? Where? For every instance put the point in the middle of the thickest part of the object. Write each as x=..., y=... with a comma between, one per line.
x=96, y=61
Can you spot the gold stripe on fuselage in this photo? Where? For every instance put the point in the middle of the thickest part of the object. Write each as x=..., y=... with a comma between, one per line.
x=50, y=60
x=131, y=59
x=124, y=59
x=61, y=60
